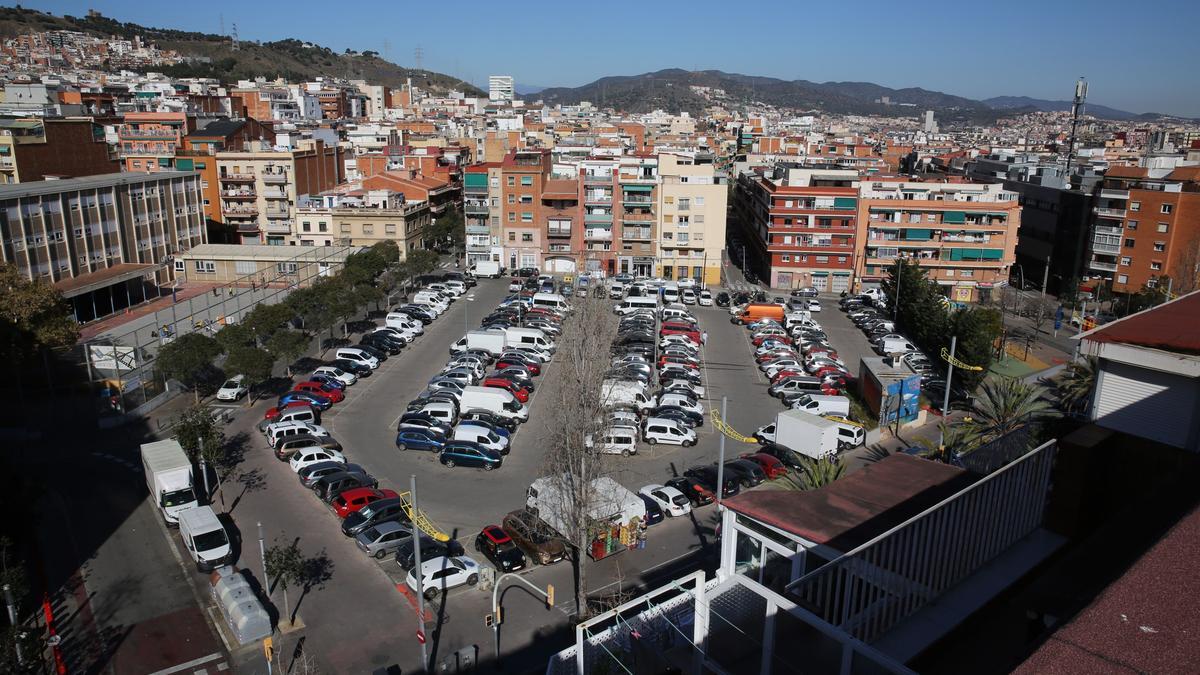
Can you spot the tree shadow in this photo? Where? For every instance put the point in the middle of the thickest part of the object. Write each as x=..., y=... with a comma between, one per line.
x=251, y=481
x=315, y=571
x=306, y=364
x=876, y=453
x=275, y=386
x=360, y=326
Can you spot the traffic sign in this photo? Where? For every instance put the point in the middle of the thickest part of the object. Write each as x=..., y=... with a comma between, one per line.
x=421, y=636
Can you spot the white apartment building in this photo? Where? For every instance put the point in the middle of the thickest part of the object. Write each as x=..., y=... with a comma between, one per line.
x=500, y=88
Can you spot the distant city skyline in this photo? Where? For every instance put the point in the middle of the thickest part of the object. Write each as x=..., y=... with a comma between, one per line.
x=1014, y=49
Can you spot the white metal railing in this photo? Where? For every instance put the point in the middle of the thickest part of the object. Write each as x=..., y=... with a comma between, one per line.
x=1103, y=266
x=872, y=588
x=1110, y=213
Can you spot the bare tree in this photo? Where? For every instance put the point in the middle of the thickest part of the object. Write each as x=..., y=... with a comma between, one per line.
x=1038, y=310
x=1186, y=271
x=576, y=415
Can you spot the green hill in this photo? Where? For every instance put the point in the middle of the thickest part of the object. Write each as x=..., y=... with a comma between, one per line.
x=291, y=59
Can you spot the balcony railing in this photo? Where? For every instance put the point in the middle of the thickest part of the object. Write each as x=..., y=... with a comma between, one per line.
x=597, y=217
x=597, y=178
x=238, y=177
x=476, y=208
x=1106, y=229
x=1109, y=193
x=275, y=178
x=238, y=194
x=1109, y=213
x=1102, y=266
x=598, y=234
x=636, y=233
x=248, y=227
x=598, y=199
x=238, y=210
x=279, y=226
x=558, y=232
x=637, y=201
x=1111, y=249
x=275, y=194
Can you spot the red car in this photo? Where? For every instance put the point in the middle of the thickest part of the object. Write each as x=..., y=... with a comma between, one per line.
x=355, y=498
x=828, y=370
x=771, y=356
x=770, y=465
x=535, y=369
x=332, y=393
x=682, y=360
x=785, y=373
x=520, y=392
x=273, y=413
x=774, y=338
x=675, y=330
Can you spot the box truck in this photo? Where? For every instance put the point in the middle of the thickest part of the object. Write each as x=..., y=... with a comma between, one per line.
x=620, y=394
x=169, y=478
x=528, y=337
x=491, y=341
x=495, y=400
x=614, y=511
x=810, y=435
x=487, y=268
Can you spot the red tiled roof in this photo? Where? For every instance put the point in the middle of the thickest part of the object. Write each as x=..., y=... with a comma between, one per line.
x=1126, y=172
x=1173, y=327
x=855, y=509
x=1185, y=173
x=1144, y=622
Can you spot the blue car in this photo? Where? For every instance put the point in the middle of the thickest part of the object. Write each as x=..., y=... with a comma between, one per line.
x=420, y=439
x=328, y=381
x=315, y=400
x=466, y=453
x=500, y=431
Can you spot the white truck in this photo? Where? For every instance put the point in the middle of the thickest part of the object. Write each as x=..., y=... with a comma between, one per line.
x=620, y=394
x=809, y=435
x=488, y=268
x=169, y=478
x=608, y=501
x=495, y=400
x=204, y=538
x=528, y=337
x=490, y=341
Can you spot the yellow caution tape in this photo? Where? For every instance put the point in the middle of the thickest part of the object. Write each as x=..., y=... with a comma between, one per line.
x=956, y=363
x=723, y=427
x=842, y=420
x=420, y=519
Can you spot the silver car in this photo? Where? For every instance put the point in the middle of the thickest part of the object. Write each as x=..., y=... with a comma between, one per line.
x=383, y=538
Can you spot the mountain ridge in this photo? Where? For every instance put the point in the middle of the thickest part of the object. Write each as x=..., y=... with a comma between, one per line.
x=1048, y=105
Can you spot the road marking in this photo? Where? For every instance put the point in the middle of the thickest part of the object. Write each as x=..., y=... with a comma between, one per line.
x=190, y=664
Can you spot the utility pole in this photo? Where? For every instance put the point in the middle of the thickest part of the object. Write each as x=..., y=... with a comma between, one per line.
x=417, y=572
x=946, y=396
x=1045, y=278
x=262, y=552
x=896, y=309
x=721, y=458
x=204, y=470
x=14, y=621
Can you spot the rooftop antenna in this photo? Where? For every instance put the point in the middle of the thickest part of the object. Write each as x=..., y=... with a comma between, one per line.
x=387, y=49
x=1076, y=110
x=418, y=54
x=234, y=37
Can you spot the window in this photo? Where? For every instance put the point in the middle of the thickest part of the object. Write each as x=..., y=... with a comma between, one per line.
x=1135, y=206
x=286, y=267
x=841, y=258
x=512, y=236
x=389, y=229
x=1122, y=278
x=699, y=201
x=1151, y=282
x=1166, y=208
x=512, y=216
x=1156, y=266
x=966, y=273
x=682, y=238
x=322, y=226
x=786, y=258
x=698, y=219
x=368, y=229
x=345, y=228
x=526, y=217
x=206, y=266
x=511, y=181
x=683, y=221
x=306, y=226
x=1126, y=261
x=1129, y=243
x=495, y=182
x=526, y=237
x=685, y=203
x=1163, y=227
x=512, y=199
x=667, y=235
x=245, y=266
x=526, y=199
x=206, y=202
x=1131, y=224
x=822, y=259
x=1160, y=246
x=179, y=264
x=526, y=180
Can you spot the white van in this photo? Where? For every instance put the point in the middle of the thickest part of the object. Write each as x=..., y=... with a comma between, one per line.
x=281, y=430
x=358, y=356
x=431, y=298
x=297, y=414
x=823, y=405
x=677, y=313
x=552, y=301
x=616, y=441
x=204, y=538
x=850, y=434
x=618, y=394
x=631, y=305
x=483, y=436
x=670, y=292
x=663, y=430
x=895, y=346
x=528, y=337
x=495, y=400
x=404, y=323
x=442, y=411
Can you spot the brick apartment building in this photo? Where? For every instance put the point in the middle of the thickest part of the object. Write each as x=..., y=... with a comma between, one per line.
x=147, y=141
x=963, y=234
x=34, y=149
x=800, y=225
x=1146, y=225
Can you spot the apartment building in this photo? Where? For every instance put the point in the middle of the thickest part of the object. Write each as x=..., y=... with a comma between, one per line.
x=598, y=241
x=963, y=234
x=146, y=141
x=524, y=174
x=441, y=194
x=1146, y=225
x=800, y=225
x=34, y=149
x=241, y=263
x=260, y=187
x=691, y=224
x=640, y=207
x=357, y=218
x=482, y=195
x=273, y=103
x=500, y=88
x=104, y=240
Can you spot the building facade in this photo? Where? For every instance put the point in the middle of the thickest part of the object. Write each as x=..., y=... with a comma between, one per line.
x=692, y=221
x=500, y=88
x=104, y=241
x=406, y=224
x=247, y=263
x=36, y=149
x=963, y=234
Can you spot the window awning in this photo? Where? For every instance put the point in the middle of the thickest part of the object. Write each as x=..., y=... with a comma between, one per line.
x=638, y=188
x=992, y=253
x=922, y=233
x=820, y=274
x=841, y=274
x=843, y=202
x=956, y=217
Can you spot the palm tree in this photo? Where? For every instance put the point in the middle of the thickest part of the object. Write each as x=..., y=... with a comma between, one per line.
x=1006, y=404
x=816, y=473
x=957, y=439
x=1075, y=384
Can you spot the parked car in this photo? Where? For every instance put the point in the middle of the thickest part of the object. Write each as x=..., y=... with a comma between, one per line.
x=654, y=513
x=430, y=549
x=329, y=486
x=352, y=501
x=314, y=472
x=442, y=574
x=354, y=367
x=343, y=376
x=538, y=541
x=771, y=466
x=723, y=299
x=383, y=538
x=233, y=389
x=334, y=394
x=707, y=476
x=672, y=502
x=466, y=453
x=495, y=545
x=430, y=438
x=748, y=473
x=378, y=511
x=315, y=400
x=697, y=494
x=306, y=456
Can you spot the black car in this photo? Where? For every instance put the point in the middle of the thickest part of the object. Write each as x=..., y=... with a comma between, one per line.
x=495, y=544
x=489, y=418
x=707, y=477
x=654, y=514
x=380, y=343
x=741, y=298
x=378, y=511
x=313, y=472
x=723, y=299
x=417, y=313
x=430, y=549
x=429, y=396
x=424, y=421
x=359, y=369
x=329, y=486
x=748, y=473
x=790, y=459
x=685, y=417
x=696, y=493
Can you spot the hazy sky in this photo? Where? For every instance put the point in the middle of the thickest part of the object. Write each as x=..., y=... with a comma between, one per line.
x=1141, y=57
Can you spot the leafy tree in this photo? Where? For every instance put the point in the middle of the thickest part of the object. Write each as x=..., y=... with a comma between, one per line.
x=201, y=437
x=189, y=359
x=33, y=317
x=265, y=320
x=958, y=438
x=234, y=335
x=253, y=363
x=1074, y=385
x=421, y=261
x=816, y=473
x=1006, y=404
x=448, y=230
x=285, y=566
x=976, y=328
x=921, y=312
x=288, y=345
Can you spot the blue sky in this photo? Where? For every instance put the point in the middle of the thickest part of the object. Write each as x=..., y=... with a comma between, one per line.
x=1139, y=57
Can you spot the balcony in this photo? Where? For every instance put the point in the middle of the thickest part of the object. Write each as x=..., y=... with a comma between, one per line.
x=1109, y=193
x=248, y=227
x=597, y=218
x=239, y=211
x=636, y=234
x=598, y=199
x=644, y=202
x=146, y=134
x=238, y=194
x=558, y=232
x=1102, y=266
x=478, y=229
x=598, y=234
x=237, y=177
x=1109, y=213
x=475, y=208
x=1107, y=229
x=637, y=218
x=278, y=213
x=275, y=178
x=1107, y=248
x=278, y=227
x=275, y=194
x=593, y=178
